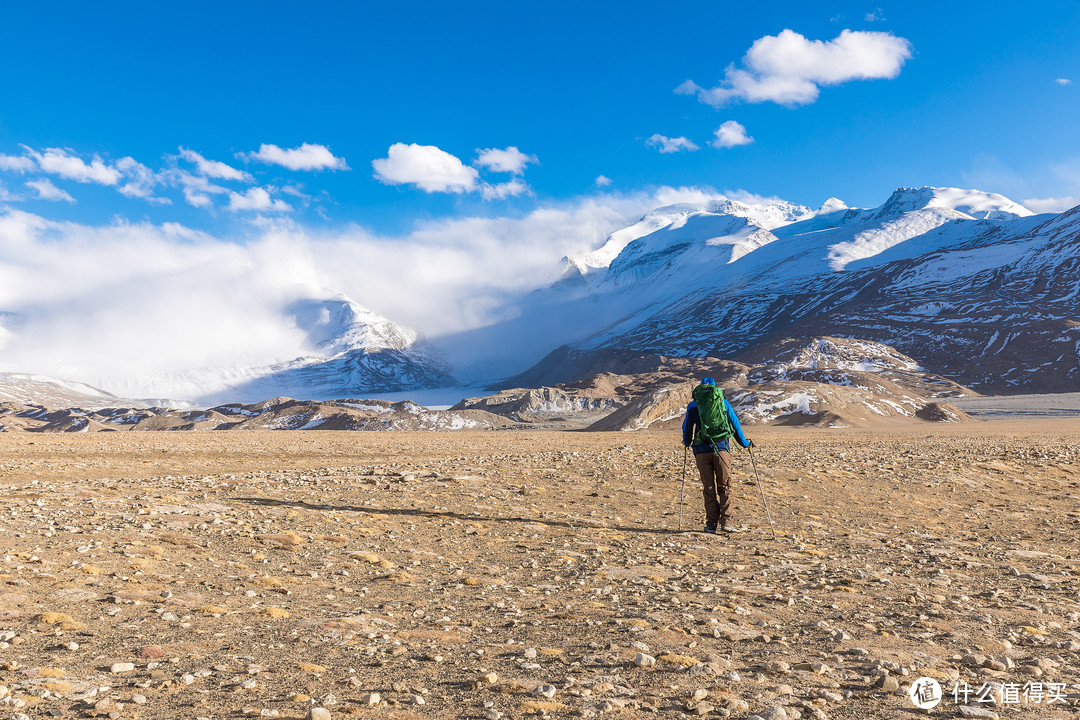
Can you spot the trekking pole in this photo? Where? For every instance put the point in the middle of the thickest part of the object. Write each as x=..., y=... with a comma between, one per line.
x=683, y=491
x=762, y=490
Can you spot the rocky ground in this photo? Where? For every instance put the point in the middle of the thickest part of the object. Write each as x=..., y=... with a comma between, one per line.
x=511, y=574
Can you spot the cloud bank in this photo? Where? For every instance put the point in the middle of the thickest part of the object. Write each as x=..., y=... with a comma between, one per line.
x=195, y=176
x=1051, y=204
x=103, y=304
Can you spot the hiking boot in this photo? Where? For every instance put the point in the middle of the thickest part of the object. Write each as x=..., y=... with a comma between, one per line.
x=711, y=529
x=731, y=529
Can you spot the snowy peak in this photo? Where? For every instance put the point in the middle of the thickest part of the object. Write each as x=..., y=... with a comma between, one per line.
x=337, y=325
x=768, y=214
x=969, y=204
x=831, y=205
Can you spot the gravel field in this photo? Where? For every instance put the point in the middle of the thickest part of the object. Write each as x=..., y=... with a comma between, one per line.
x=516, y=574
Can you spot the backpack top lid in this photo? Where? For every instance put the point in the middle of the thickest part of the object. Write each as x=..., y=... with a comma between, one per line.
x=708, y=381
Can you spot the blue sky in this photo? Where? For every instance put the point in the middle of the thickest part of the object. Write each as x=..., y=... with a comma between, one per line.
x=173, y=175
x=579, y=88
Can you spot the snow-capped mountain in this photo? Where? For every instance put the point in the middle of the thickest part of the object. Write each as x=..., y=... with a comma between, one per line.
x=972, y=285
x=650, y=257
x=351, y=350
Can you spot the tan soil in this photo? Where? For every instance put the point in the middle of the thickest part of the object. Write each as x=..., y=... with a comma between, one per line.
x=256, y=573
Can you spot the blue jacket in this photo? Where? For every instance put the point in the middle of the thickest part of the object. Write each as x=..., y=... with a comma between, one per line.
x=692, y=422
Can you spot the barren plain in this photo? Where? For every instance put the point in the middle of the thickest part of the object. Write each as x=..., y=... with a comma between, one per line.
x=513, y=574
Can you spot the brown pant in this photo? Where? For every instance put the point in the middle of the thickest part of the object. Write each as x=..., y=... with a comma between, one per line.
x=715, y=471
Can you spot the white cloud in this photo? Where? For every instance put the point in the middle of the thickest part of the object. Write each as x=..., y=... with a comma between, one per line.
x=510, y=160
x=501, y=191
x=127, y=282
x=47, y=191
x=141, y=181
x=1047, y=188
x=305, y=157
x=671, y=145
x=196, y=188
x=17, y=163
x=1064, y=82
x=8, y=196
x=1051, y=204
x=789, y=70
x=427, y=167
x=214, y=168
x=297, y=192
x=256, y=198
x=731, y=134
x=57, y=161
x=197, y=199
x=876, y=16
x=602, y=181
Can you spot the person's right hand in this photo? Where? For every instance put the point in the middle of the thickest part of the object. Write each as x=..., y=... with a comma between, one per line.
x=750, y=444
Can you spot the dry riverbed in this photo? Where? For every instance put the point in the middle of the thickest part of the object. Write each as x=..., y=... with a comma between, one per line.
x=513, y=574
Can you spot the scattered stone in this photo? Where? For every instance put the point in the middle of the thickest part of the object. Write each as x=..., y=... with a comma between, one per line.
x=828, y=695
x=643, y=660
x=318, y=713
x=122, y=667
x=674, y=659
x=275, y=613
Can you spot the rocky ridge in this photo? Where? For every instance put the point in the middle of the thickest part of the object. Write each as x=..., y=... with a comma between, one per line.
x=828, y=382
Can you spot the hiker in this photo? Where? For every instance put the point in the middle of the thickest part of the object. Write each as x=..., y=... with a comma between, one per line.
x=710, y=442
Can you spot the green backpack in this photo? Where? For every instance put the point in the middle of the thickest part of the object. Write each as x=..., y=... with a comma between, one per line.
x=715, y=426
